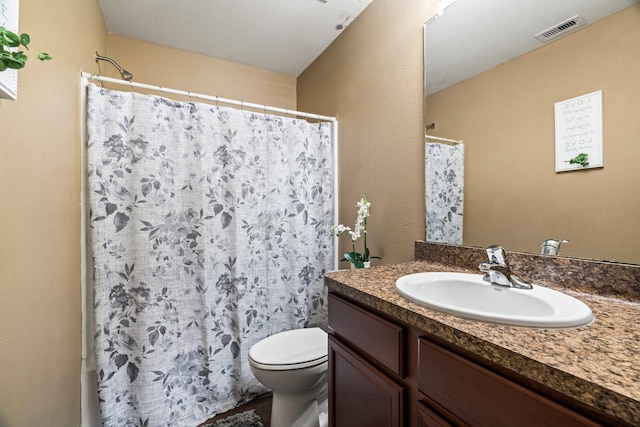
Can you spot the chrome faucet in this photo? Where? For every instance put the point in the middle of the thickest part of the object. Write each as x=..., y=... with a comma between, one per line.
x=498, y=272
x=552, y=246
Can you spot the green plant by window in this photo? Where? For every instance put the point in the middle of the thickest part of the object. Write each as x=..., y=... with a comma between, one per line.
x=9, y=56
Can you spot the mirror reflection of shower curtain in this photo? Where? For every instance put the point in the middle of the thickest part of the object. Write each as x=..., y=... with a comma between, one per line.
x=444, y=179
x=209, y=230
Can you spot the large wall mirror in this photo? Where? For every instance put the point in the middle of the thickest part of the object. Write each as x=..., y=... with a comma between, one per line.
x=492, y=84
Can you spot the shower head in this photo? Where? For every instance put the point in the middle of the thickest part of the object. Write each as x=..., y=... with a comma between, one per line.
x=123, y=73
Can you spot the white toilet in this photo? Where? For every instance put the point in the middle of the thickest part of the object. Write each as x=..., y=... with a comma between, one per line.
x=293, y=364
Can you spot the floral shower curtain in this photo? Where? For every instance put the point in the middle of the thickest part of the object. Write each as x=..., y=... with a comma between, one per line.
x=208, y=232
x=444, y=192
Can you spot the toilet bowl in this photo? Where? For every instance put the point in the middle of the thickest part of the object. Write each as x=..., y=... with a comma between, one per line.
x=293, y=364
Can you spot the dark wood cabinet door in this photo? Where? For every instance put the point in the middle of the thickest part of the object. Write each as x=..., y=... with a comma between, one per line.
x=483, y=398
x=359, y=394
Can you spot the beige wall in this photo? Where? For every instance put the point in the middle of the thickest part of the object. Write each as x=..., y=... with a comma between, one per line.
x=162, y=66
x=40, y=218
x=513, y=196
x=371, y=78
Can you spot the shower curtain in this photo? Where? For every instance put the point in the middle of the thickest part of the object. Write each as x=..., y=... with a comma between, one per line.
x=444, y=176
x=209, y=230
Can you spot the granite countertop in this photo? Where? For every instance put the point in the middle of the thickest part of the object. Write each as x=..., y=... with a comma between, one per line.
x=598, y=365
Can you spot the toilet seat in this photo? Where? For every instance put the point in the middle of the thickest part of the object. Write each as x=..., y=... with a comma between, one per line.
x=294, y=349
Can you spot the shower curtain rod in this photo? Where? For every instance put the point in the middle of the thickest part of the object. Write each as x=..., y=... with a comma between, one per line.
x=437, y=138
x=241, y=104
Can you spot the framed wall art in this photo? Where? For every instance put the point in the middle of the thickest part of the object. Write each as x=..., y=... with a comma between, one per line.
x=578, y=128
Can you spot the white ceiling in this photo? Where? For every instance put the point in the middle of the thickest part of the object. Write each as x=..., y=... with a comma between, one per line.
x=284, y=36
x=473, y=36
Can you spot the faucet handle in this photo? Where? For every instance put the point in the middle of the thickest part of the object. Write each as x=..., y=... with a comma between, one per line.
x=497, y=270
x=497, y=254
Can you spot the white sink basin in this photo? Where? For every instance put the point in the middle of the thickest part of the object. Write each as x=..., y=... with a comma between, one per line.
x=468, y=296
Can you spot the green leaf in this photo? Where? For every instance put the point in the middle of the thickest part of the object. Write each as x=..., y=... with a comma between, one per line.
x=14, y=63
x=20, y=56
x=9, y=38
x=355, y=258
x=25, y=39
x=581, y=159
x=15, y=60
x=12, y=59
x=349, y=257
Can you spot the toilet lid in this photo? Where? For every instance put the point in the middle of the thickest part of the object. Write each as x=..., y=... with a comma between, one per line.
x=294, y=349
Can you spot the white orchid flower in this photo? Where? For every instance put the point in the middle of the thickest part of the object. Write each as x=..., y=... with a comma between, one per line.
x=360, y=229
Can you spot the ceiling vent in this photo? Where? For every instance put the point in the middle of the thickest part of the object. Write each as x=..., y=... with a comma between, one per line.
x=561, y=29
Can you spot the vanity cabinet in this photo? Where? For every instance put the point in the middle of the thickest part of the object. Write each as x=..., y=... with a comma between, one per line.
x=384, y=373
x=365, y=368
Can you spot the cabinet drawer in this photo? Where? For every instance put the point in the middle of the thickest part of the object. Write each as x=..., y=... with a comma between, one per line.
x=480, y=397
x=379, y=338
